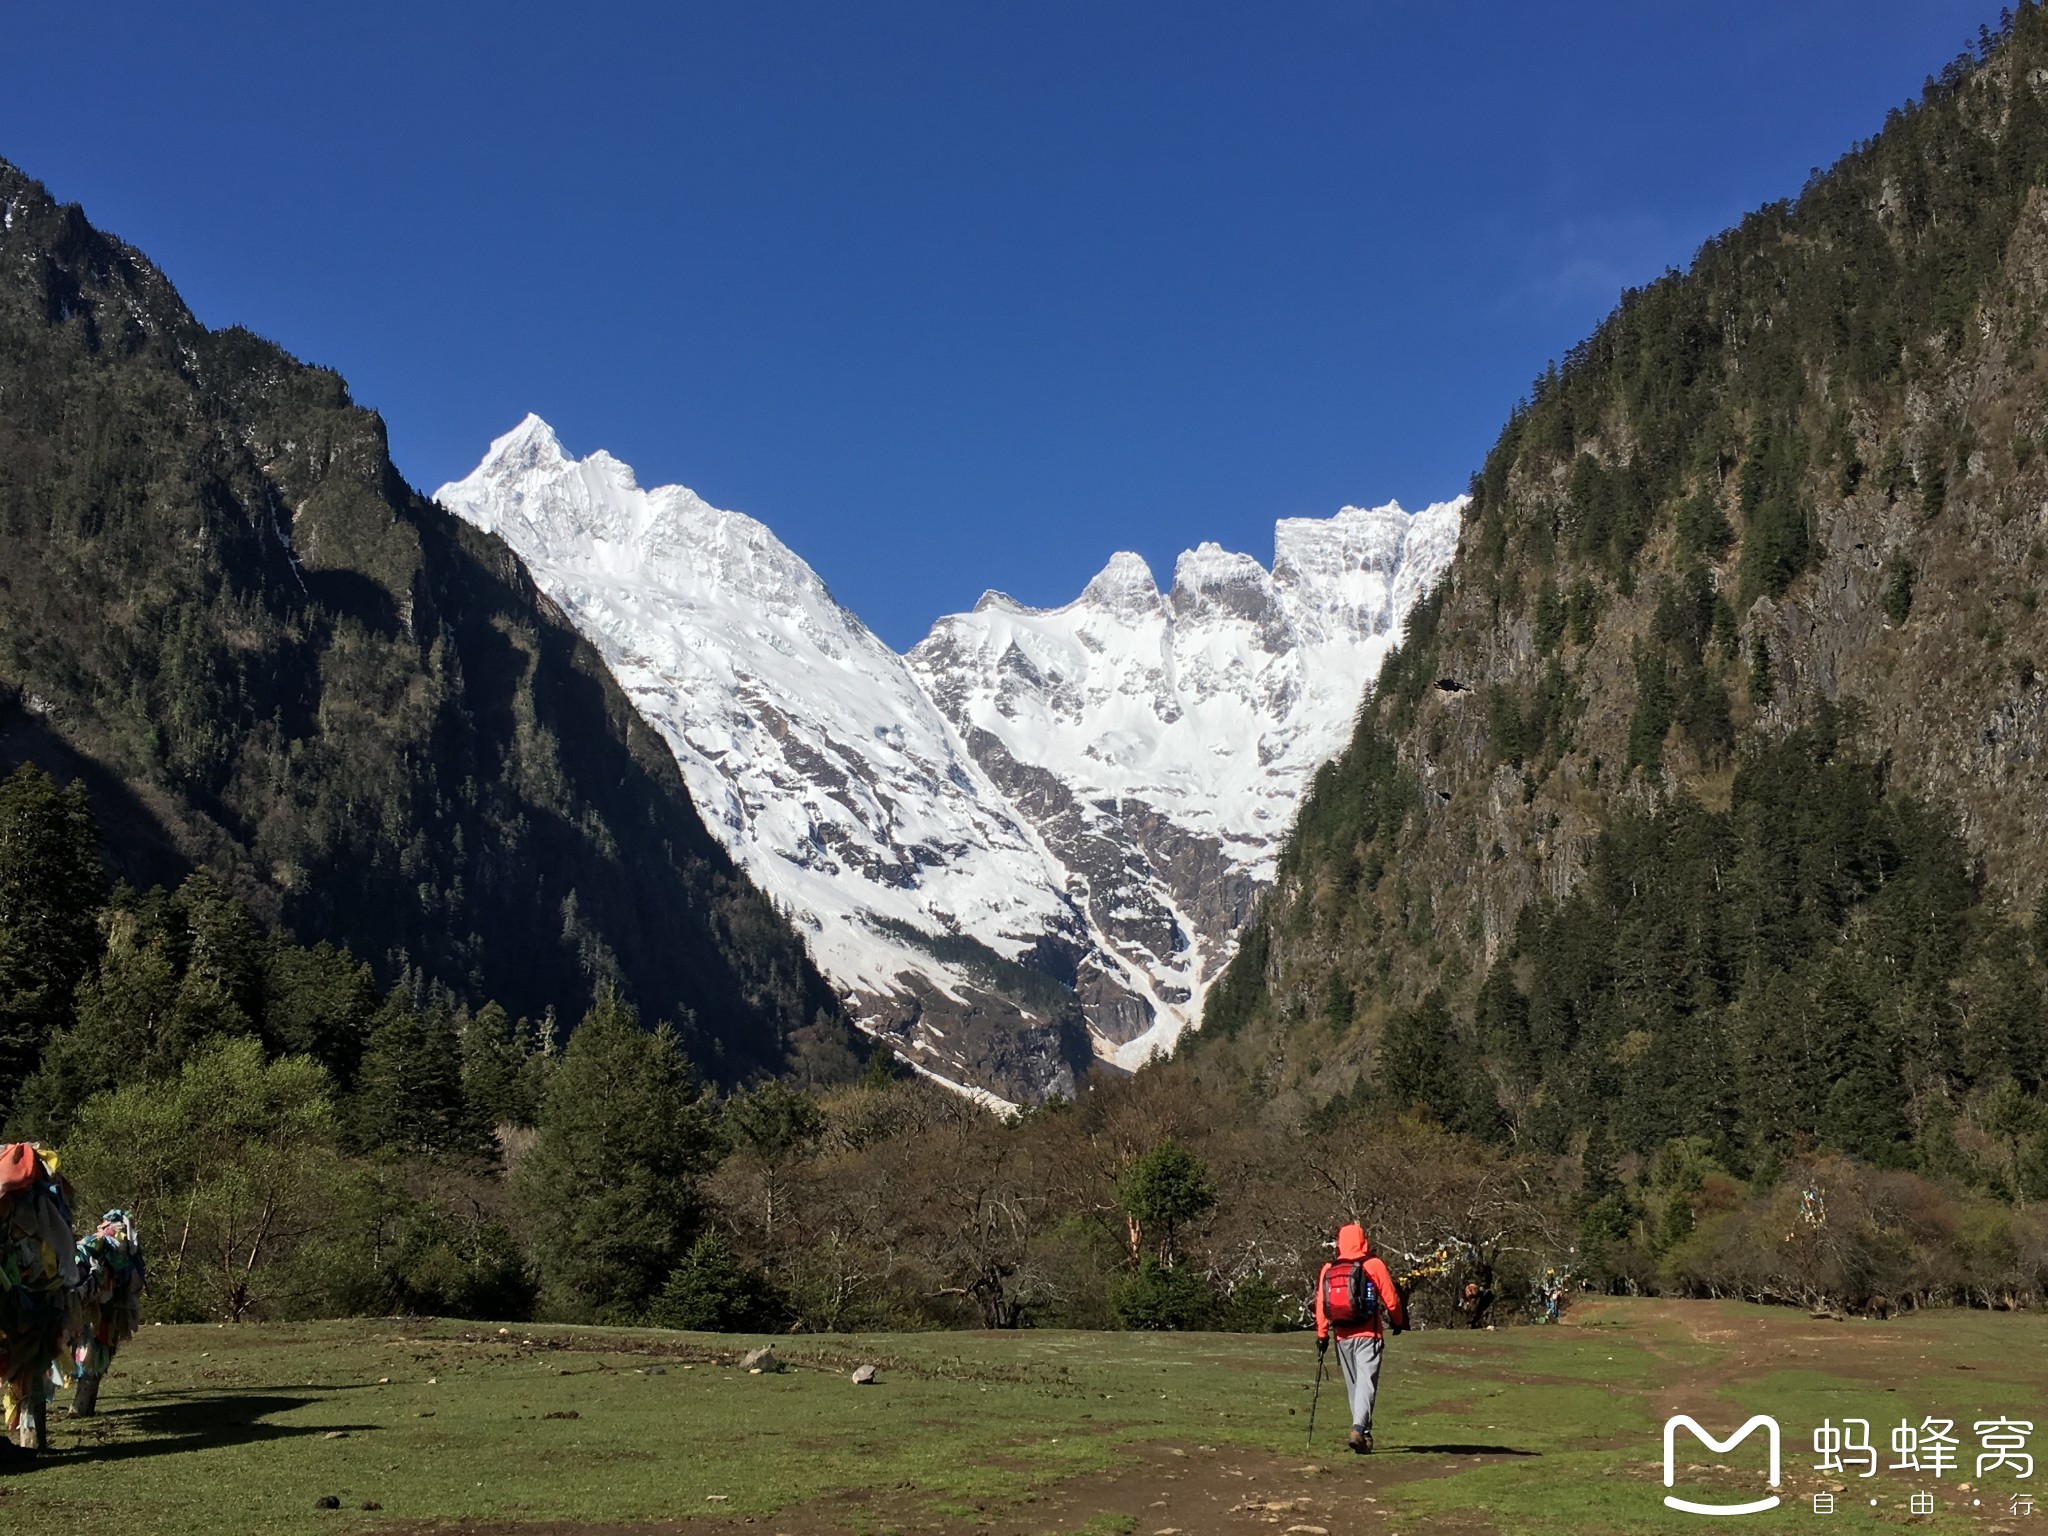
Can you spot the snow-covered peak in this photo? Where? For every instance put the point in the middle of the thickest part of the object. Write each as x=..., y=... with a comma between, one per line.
x=1355, y=574
x=811, y=751
x=1217, y=721
x=529, y=486
x=593, y=513
x=527, y=447
x=1209, y=565
x=616, y=472
x=1357, y=538
x=1213, y=584
x=1123, y=587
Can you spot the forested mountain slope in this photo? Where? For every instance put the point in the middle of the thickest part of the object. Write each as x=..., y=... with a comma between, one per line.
x=1705, y=796
x=268, y=656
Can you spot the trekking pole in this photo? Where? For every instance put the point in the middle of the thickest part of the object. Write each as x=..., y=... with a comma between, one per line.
x=1315, y=1397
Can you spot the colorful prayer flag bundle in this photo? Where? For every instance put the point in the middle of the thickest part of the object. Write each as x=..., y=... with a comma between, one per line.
x=38, y=1273
x=107, y=1304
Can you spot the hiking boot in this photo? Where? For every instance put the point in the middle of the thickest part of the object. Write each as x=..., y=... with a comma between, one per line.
x=1361, y=1441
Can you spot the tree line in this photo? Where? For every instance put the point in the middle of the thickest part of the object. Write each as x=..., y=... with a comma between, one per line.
x=297, y=1144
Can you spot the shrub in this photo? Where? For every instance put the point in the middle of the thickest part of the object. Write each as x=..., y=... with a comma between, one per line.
x=1256, y=1305
x=712, y=1291
x=1160, y=1298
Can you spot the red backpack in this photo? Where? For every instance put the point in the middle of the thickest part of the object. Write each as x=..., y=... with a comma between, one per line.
x=1349, y=1296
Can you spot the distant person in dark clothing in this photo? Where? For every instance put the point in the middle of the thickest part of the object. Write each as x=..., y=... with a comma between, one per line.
x=1475, y=1302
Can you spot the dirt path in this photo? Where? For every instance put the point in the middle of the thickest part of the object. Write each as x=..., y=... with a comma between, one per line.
x=1153, y=1490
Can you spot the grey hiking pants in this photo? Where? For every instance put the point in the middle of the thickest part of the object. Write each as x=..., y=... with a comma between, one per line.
x=1358, y=1361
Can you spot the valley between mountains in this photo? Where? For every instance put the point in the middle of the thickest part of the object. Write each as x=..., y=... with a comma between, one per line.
x=1028, y=845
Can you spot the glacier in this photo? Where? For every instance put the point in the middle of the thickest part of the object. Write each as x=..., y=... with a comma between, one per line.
x=1028, y=845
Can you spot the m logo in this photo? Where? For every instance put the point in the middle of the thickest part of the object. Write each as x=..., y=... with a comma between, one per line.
x=1721, y=1448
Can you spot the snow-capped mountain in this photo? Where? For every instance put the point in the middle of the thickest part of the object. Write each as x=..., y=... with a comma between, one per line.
x=1033, y=839
x=1159, y=743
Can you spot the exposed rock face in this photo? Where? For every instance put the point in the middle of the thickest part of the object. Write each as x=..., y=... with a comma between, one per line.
x=1028, y=845
x=1949, y=693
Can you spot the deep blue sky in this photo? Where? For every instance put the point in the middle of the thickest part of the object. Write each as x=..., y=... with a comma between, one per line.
x=955, y=294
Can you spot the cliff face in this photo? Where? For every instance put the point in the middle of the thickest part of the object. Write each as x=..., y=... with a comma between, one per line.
x=1802, y=485
x=222, y=605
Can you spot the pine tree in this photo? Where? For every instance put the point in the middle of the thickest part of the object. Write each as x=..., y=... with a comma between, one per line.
x=1653, y=713
x=221, y=989
x=610, y=1184
x=1163, y=1189
x=1549, y=624
x=409, y=1094
x=2012, y=1120
x=501, y=1060
x=51, y=887
x=711, y=1291
x=318, y=1002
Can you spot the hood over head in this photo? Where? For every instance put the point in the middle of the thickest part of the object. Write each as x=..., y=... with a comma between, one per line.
x=1351, y=1242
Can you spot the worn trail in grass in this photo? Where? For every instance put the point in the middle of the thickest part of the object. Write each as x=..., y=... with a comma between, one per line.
x=415, y=1426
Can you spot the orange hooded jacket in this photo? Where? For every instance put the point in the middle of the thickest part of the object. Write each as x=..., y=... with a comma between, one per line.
x=1351, y=1244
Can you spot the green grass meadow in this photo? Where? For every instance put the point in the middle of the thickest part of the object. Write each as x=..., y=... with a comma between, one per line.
x=1541, y=1430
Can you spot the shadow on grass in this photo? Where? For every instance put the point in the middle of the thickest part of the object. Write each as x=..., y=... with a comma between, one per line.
x=1466, y=1450
x=187, y=1422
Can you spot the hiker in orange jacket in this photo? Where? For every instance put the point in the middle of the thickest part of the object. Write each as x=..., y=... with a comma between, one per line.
x=1350, y=1293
